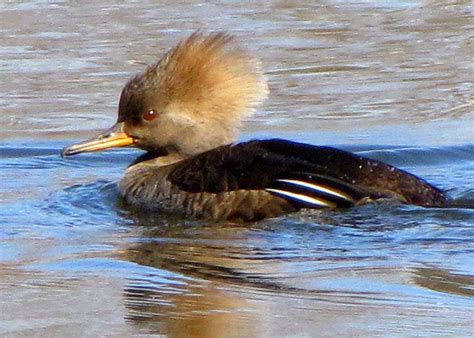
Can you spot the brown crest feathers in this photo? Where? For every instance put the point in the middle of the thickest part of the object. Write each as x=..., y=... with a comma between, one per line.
x=207, y=76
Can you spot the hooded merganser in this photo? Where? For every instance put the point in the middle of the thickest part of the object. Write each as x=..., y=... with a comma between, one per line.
x=185, y=111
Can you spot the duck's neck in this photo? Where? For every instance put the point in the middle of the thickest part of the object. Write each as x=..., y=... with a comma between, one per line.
x=168, y=159
x=159, y=158
x=192, y=143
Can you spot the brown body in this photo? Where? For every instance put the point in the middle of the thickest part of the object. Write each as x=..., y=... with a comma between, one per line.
x=150, y=188
x=185, y=110
x=231, y=182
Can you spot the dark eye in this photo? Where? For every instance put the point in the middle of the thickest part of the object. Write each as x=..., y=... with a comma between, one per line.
x=150, y=115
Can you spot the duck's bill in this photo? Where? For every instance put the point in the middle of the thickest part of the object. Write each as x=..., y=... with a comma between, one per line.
x=112, y=138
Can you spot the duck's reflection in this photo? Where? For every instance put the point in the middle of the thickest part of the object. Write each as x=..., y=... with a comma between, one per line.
x=226, y=280
x=190, y=310
x=442, y=280
x=190, y=295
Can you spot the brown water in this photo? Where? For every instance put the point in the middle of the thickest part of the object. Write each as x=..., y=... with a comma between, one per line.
x=392, y=80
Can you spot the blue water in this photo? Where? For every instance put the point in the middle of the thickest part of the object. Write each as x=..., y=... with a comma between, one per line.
x=63, y=216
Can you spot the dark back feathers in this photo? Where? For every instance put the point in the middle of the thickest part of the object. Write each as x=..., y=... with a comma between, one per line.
x=264, y=164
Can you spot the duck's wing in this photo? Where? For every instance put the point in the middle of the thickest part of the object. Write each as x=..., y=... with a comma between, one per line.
x=312, y=190
x=302, y=174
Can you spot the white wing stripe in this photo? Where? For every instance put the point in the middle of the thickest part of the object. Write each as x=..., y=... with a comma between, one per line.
x=304, y=198
x=319, y=188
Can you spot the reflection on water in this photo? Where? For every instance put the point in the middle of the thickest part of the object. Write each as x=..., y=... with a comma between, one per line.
x=444, y=281
x=228, y=280
x=389, y=79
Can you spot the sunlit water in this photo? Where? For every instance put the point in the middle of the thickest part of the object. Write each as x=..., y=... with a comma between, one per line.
x=388, y=79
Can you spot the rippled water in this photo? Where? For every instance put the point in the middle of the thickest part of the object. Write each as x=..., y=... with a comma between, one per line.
x=389, y=79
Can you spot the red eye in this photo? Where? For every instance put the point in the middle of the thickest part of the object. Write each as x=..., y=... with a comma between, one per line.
x=150, y=115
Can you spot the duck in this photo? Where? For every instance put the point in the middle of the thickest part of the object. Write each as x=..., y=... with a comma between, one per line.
x=185, y=112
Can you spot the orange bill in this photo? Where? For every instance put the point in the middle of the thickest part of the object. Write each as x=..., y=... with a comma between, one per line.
x=112, y=138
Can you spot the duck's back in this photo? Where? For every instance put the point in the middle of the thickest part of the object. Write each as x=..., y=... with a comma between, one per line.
x=260, y=179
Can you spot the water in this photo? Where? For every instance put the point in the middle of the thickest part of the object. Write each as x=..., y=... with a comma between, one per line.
x=389, y=79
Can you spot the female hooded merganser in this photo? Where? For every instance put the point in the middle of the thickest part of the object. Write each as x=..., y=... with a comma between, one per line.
x=185, y=111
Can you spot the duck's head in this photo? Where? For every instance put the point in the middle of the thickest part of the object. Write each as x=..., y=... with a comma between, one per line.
x=190, y=101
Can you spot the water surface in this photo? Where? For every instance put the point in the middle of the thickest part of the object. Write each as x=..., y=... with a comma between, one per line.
x=391, y=80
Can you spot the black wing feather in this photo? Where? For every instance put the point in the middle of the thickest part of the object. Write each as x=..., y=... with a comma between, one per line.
x=277, y=164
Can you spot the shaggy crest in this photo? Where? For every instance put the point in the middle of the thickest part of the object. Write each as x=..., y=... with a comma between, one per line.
x=206, y=76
